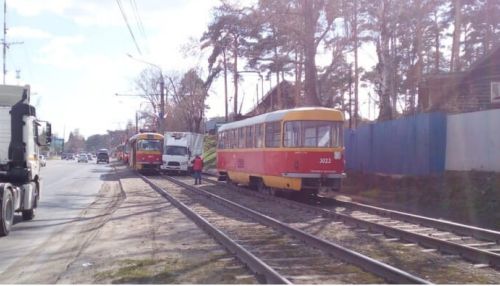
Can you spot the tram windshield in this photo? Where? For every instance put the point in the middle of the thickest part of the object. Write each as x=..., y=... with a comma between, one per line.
x=149, y=145
x=319, y=134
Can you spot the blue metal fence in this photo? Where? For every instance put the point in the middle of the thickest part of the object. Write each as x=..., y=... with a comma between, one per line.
x=408, y=146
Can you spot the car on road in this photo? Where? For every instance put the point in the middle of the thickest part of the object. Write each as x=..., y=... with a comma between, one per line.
x=102, y=157
x=83, y=158
x=70, y=157
x=89, y=157
x=43, y=161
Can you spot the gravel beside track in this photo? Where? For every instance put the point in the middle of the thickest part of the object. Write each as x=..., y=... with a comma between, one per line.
x=423, y=262
x=292, y=258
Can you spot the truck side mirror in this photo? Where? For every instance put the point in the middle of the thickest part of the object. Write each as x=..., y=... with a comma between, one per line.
x=43, y=133
x=49, y=133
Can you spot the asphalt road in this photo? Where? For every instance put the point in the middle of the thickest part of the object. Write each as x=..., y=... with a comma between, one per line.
x=68, y=187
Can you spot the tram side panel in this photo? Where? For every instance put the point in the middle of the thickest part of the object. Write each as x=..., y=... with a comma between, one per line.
x=279, y=168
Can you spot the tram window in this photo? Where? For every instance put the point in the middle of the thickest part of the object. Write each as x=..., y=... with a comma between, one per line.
x=324, y=135
x=227, y=142
x=232, y=139
x=292, y=134
x=249, y=137
x=337, y=135
x=259, y=136
x=219, y=141
x=273, y=134
x=241, y=137
x=310, y=136
x=222, y=140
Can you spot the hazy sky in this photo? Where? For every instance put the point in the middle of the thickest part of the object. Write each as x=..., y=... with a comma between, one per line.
x=74, y=56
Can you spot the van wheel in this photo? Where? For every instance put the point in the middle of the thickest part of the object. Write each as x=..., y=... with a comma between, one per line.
x=6, y=212
x=28, y=214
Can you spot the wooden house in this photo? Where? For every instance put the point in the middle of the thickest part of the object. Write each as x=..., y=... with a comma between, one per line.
x=477, y=88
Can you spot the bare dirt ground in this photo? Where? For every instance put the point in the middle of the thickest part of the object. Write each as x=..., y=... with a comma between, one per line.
x=147, y=240
x=130, y=235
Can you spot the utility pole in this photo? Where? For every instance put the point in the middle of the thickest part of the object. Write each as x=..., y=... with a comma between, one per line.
x=225, y=82
x=261, y=78
x=4, y=41
x=356, y=74
x=136, y=123
x=64, y=138
x=350, y=96
x=162, y=93
x=162, y=102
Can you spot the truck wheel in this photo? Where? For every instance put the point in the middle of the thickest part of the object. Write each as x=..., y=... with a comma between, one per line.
x=6, y=212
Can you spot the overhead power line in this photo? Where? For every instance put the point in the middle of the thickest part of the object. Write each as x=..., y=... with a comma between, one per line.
x=128, y=26
x=138, y=19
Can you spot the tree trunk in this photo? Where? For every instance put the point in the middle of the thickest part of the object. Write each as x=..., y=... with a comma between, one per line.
x=298, y=78
x=356, y=73
x=384, y=65
x=455, y=49
x=490, y=21
x=235, y=76
x=420, y=61
x=393, y=70
x=437, y=43
x=225, y=84
x=309, y=45
x=278, y=91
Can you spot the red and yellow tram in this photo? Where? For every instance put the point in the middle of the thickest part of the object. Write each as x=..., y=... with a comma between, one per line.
x=146, y=151
x=286, y=150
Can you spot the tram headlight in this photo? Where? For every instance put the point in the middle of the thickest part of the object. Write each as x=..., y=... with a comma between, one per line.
x=337, y=155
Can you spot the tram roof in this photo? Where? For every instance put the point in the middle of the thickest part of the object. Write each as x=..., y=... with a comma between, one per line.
x=271, y=116
x=146, y=135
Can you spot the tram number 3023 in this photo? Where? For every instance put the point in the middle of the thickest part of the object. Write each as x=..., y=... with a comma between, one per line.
x=325, y=160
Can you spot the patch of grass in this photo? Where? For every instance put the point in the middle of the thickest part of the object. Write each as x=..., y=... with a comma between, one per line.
x=209, y=151
x=468, y=197
x=174, y=270
x=130, y=271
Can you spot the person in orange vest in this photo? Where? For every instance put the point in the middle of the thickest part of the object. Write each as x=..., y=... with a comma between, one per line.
x=197, y=168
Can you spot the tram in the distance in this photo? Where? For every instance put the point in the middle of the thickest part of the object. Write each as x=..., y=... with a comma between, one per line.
x=145, y=151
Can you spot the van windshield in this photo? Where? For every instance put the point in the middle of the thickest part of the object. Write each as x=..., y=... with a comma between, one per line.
x=176, y=150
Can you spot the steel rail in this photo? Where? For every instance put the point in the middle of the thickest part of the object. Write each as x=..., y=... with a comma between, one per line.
x=456, y=228
x=390, y=273
x=470, y=253
x=264, y=272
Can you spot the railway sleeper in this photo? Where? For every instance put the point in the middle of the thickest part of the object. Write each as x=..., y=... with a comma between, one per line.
x=480, y=244
x=275, y=261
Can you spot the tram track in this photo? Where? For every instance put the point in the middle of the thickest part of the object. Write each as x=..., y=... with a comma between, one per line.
x=476, y=245
x=275, y=251
x=479, y=246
